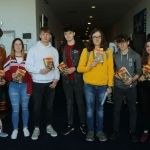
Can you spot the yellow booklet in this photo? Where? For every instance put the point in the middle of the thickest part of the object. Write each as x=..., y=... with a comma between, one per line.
x=124, y=74
x=19, y=75
x=146, y=72
x=63, y=68
x=98, y=55
x=1, y=75
x=48, y=61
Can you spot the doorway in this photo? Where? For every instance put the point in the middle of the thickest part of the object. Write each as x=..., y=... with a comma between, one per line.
x=6, y=40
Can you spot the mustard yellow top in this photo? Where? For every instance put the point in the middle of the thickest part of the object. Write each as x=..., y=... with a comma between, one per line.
x=101, y=74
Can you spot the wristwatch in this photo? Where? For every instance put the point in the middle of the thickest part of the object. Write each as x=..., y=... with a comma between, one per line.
x=109, y=87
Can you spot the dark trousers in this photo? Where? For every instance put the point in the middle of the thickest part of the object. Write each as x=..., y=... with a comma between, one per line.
x=38, y=90
x=131, y=96
x=70, y=88
x=145, y=103
x=0, y=92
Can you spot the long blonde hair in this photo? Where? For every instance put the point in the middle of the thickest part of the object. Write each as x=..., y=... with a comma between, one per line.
x=12, y=53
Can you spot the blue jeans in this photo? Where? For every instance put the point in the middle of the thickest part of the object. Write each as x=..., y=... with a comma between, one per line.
x=94, y=96
x=18, y=96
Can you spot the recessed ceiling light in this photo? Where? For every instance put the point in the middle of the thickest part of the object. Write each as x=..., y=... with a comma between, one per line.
x=86, y=31
x=93, y=7
x=90, y=16
x=87, y=27
x=89, y=22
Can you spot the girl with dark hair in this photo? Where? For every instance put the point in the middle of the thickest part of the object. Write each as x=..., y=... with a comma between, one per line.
x=98, y=79
x=19, y=92
x=144, y=93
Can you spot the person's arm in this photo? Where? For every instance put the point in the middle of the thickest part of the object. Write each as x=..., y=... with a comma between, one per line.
x=29, y=65
x=84, y=63
x=56, y=63
x=137, y=69
x=7, y=69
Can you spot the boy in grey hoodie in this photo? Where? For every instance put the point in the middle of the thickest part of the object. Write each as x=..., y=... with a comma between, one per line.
x=125, y=57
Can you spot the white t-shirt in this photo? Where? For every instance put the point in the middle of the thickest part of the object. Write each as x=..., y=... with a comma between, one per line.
x=19, y=59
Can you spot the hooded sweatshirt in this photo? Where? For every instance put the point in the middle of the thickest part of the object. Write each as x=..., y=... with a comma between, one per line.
x=132, y=62
x=34, y=63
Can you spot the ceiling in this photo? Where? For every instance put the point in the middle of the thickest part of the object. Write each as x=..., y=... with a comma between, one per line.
x=77, y=12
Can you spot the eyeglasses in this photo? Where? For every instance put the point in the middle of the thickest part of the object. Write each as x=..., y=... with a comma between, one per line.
x=96, y=37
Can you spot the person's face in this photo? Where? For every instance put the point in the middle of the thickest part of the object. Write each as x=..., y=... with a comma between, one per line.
x=18, y=46
x=148, y=47
x=123, y=45
x=96, y=37
x=69, y=35
x=45, y=37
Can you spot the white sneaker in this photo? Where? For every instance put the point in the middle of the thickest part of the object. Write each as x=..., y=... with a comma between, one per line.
x=14, y=134
x=26, y=132
x=51, y=131
x=35, y=134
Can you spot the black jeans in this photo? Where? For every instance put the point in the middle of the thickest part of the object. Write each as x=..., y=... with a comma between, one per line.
x=38, y=90
x=70, y=88
x=131, y=96
x=145, y=103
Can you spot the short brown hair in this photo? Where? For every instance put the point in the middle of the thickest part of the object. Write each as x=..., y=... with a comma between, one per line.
x=1, y=32
x=45, y=29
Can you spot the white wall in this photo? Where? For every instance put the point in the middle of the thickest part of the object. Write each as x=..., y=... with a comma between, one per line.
x=54, y=24
x=19, y=15
x=125, y=24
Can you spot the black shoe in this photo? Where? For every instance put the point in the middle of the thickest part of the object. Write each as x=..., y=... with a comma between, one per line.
x=114, y=135
x=68, y=130
x=83, y=128
x=133, y=137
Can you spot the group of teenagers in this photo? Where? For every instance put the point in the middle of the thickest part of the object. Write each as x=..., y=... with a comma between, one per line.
x=87, y=81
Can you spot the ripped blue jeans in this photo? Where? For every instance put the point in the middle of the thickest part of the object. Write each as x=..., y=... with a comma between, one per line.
x=18, y=96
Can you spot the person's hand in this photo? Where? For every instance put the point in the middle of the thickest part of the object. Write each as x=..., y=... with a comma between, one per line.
x=70, y=70
x=142, y=78
x=109, y=90
x=44, y=71
x=3, y=82
x=53, y=85
x=93, y=64
x=116, y=75
x=13, y=75
x=128, y=82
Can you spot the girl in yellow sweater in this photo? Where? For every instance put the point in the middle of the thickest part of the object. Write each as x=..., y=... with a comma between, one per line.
x=98, y=79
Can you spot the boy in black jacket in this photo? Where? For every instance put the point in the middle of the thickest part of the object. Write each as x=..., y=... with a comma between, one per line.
x=69, y=53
